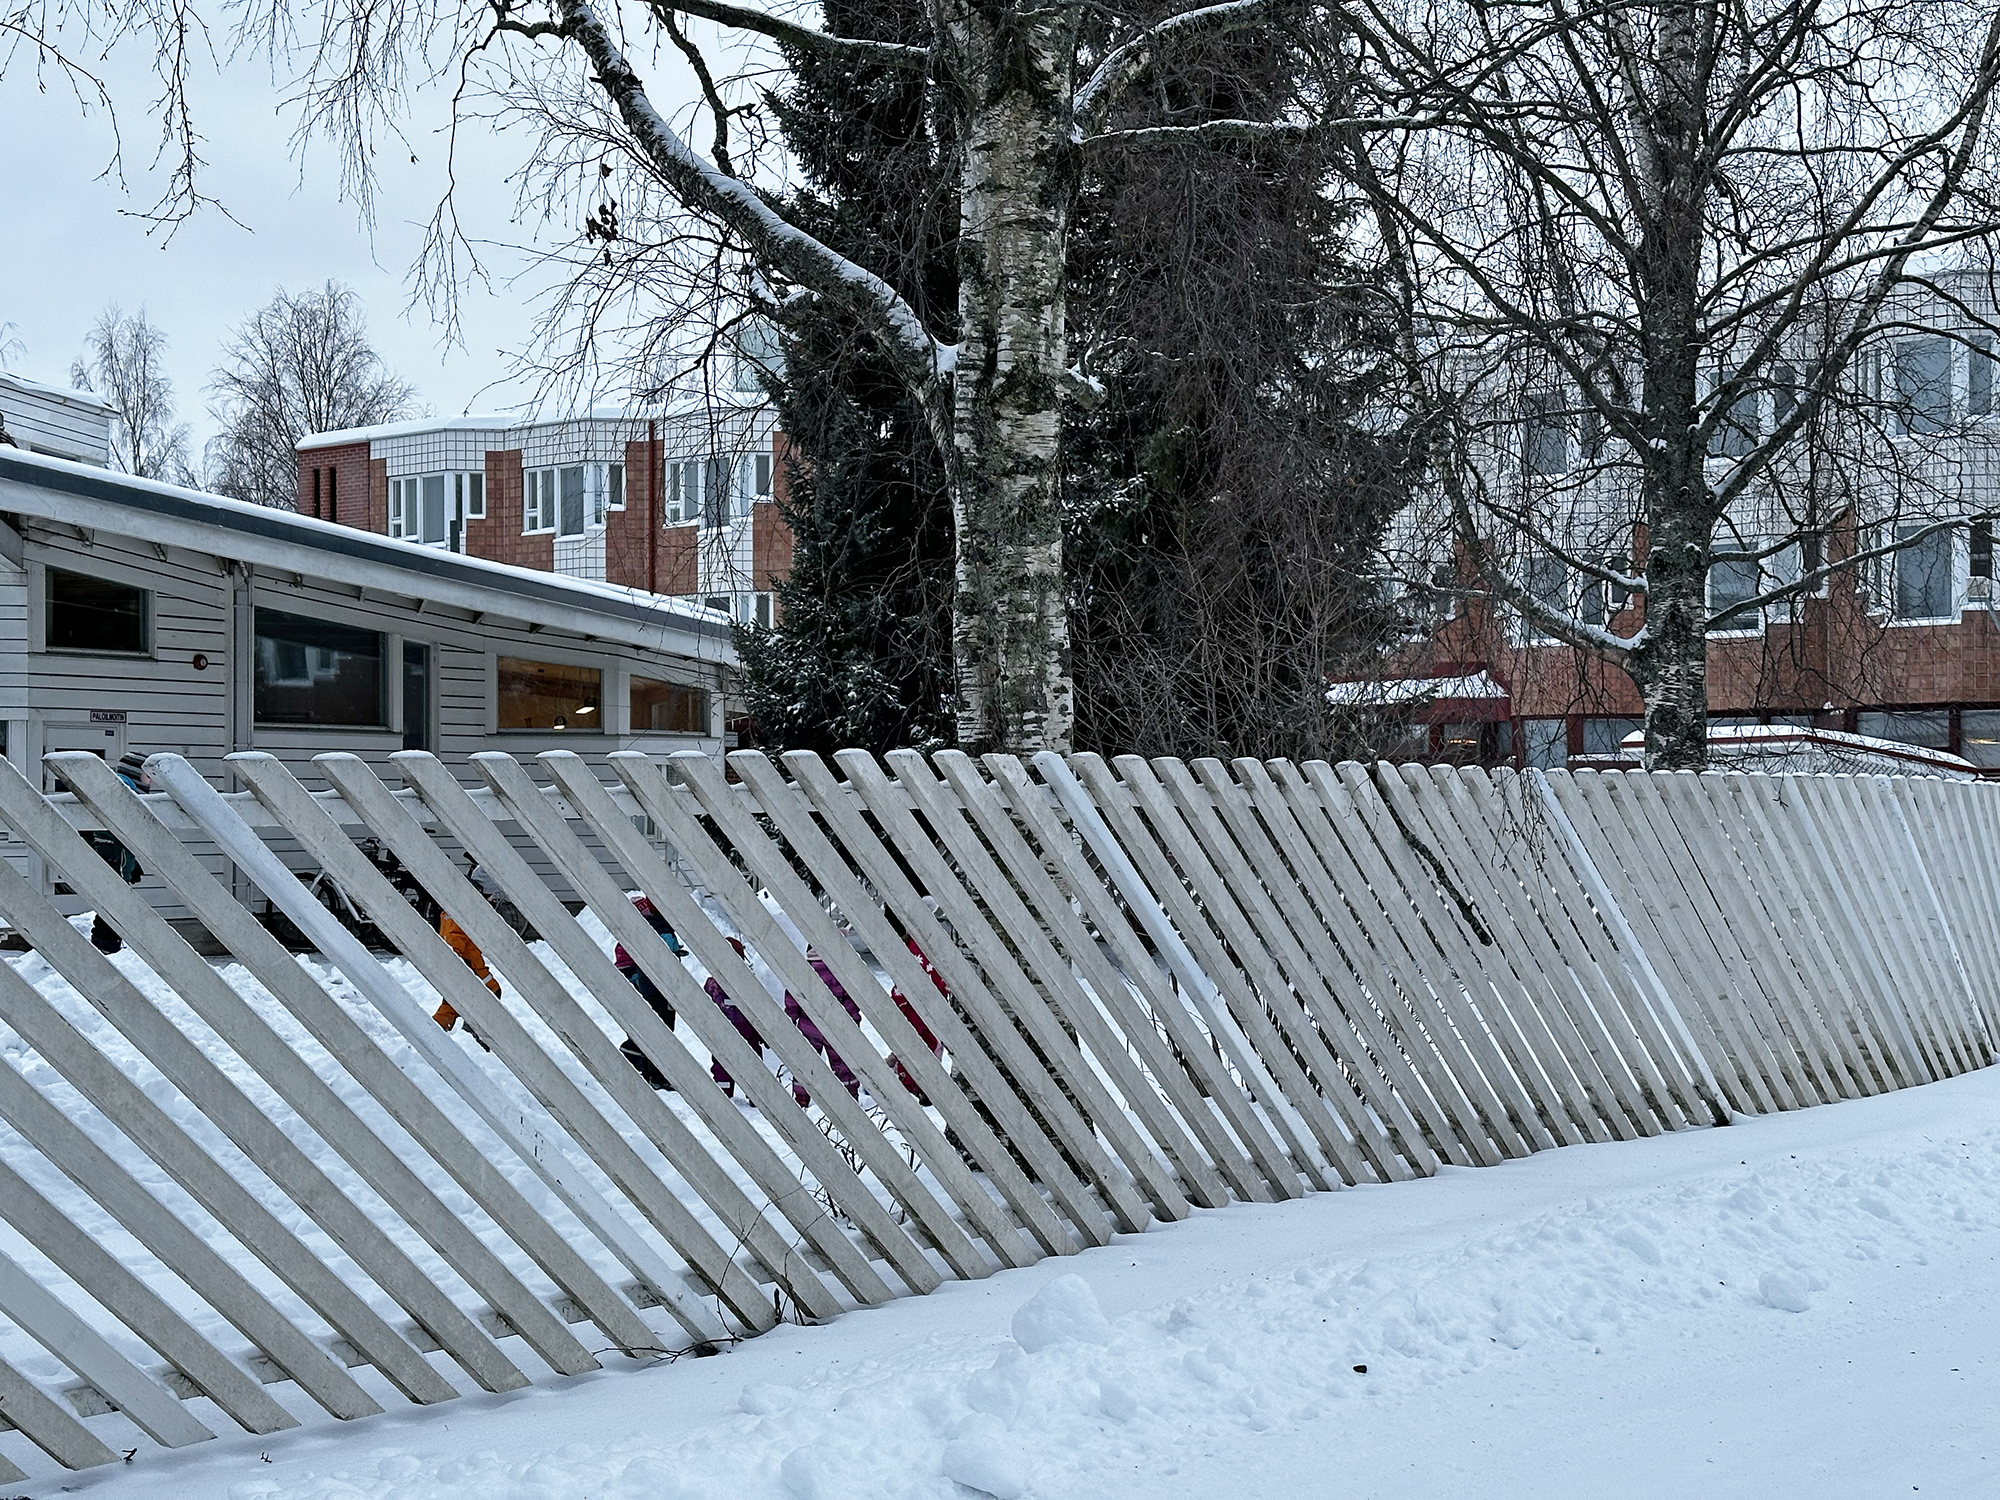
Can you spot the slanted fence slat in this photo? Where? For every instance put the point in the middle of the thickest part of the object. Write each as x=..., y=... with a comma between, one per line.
x=1151, y=986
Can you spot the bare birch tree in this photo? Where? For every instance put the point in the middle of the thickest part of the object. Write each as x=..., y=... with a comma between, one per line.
x=1687, y=288
x=123, y=360
x=1028, y=91
x=296, y=366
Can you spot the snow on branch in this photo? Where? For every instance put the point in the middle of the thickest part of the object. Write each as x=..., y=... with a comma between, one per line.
x=1200, y=135
x=791, y=34
x=706, y=188
x=1124, y=65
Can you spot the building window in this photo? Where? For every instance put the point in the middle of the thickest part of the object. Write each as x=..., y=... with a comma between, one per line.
x=549, y=695
x=1546, y=743
x=684, y=492
x=1979, y=736
x=403, y=509
x=614, y=486
x=715, y=492
x=754, y=477
x=1603, y=736
x=1545, y=434
x=1922, y=567
x=1923, y=384
x=668, y=708
x=1734, y=581
x=433, y=508
x=1736, y=435
x=1979, y=376
x=437, y=511
x=538, y=501
x=315, y=672
x=764, y=611
x=95, y=614
x=1981, y=547
x=569, y=501
x=1930, y=731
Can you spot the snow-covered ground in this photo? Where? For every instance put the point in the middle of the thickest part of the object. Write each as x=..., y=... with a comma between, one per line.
x=1798, y=1306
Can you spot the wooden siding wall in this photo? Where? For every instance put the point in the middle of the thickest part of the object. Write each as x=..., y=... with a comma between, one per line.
x=1161, y=986
x=171, y=705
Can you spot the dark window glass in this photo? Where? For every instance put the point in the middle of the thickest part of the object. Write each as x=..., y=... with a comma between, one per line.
x=1736, y=435
x=1923, y=574
x=715, y=492
x=1784, y=394
x=95, y=614
x=1931, y=731
x=434, y=522
x=1923, y=384
x=1979, y=377
x=668, y=708
x=1979, y=736
x=416, y=696
x=315, y=672
x=1602, y=736
x=571, y=492
x=549, y=695
x=1730, y=583
x=1545, y=439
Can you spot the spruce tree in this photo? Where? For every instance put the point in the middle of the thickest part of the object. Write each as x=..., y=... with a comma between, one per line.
x=861, y=654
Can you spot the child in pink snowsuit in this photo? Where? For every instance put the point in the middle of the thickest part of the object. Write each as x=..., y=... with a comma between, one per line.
x=911, y=1015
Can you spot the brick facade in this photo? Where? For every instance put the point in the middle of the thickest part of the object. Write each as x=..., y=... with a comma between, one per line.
x=334, y=481
x=680, y=559
x=631, y=548
x=1827, y=659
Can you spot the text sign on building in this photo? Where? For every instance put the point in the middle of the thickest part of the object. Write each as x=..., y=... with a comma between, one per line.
x=107, y=716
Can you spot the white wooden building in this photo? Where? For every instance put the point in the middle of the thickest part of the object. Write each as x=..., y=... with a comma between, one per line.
x=136, y=616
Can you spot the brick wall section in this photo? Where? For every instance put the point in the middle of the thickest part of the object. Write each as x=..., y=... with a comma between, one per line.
x=343, y=477
x=679, y=565
x=628, y=533
x=376, y=517
x=770, y=547
x=498, y=538
x=1833, y=657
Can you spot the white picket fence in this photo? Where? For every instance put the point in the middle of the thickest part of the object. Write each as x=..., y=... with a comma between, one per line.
x=1169, y=985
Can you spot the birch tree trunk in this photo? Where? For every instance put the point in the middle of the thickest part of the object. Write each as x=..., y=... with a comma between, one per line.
x=1010, y=632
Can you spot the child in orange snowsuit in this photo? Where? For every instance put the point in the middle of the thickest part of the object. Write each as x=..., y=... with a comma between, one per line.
x=455, y=937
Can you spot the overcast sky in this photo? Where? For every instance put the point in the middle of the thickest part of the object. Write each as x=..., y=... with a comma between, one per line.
x=69, y=243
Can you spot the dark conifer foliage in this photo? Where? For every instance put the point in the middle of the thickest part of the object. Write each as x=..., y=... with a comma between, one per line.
x=1224, y=503
x=862, y=655
x=1229, y=494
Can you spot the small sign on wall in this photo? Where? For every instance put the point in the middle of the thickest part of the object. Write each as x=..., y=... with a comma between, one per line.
x=108, y=716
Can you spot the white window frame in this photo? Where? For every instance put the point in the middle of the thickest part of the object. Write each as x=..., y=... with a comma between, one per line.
x=405, y=507
x=615, y=493
x=583, y=510
x=1957, y=545
x=538, y=494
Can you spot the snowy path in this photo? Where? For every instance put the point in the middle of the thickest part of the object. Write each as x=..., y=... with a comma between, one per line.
x=1596, y=1321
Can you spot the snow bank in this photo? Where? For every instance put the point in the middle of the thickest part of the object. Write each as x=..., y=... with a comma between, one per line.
x=1797, y=1305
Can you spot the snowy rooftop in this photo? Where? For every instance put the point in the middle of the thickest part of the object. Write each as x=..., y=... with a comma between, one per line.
x=237, y=524
x=499, y=422
x=88, y=399
x=1414, y=690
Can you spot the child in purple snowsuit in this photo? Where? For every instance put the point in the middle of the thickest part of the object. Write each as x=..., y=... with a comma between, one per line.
x=737, y=1019
x=809, y=1028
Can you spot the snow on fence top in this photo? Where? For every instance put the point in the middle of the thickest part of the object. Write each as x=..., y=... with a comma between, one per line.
x=921, y=1021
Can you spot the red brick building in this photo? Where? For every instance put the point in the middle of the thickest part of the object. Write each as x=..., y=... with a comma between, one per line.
x=676, y=501
x=1910, y=652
